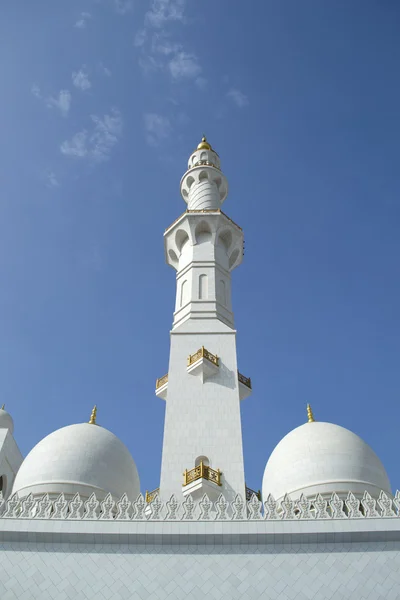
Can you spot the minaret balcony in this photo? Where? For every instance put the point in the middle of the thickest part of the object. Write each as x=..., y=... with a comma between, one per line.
x=244, y=386
x=162, y=387
x=151, y=495
x=250, y=493
x=203, y=363
x=200, y=480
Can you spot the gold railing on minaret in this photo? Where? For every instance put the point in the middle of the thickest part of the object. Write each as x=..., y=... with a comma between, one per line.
x=202, y=471
x=244, y=380
x=250, y=492
x=160, y=382
x=151, y=495
x=203, y=353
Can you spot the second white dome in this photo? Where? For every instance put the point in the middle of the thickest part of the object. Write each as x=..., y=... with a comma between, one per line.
x=323, y=458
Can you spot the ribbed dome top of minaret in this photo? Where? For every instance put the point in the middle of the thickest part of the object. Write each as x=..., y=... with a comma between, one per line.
x=204, y=186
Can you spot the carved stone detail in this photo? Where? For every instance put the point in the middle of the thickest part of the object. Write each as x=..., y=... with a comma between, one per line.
x=188, y=508
x=91, y=507
x=75, y=508
x=321, y=508
x=221, y=506
x=369, y=505
x=155, y=507
x=304, y=507
x=138, y=508
x=205, y=508
x=386, y=504
x=238, y=508
x=44, y=508
x=254, y=508
x=107, y=508
x=336, y=505
x=123, y=506
x=60, y=508
x=27, y=507
x=271, y=513
x=287, y=506
x=172, y=508
x=396, y=501
x=353, y=506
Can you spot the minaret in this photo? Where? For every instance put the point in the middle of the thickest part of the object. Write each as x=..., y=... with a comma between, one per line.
x=202, y=448
x=10, y=456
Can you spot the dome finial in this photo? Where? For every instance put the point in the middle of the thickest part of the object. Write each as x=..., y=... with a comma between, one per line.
x=3, y=407
x=92, y=420
x=310, y=414
x=204, y=145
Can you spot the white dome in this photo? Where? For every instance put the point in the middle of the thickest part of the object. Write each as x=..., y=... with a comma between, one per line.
x=80, y=458
x=6, y=421
x=323, y=458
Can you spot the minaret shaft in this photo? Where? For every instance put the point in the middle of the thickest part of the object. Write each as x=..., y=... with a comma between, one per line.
x=202, y=433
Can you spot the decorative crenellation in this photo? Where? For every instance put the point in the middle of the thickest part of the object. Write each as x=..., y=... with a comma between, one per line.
x=203, y=509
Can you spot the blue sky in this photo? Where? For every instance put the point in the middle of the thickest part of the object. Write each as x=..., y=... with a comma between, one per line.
x=102, y=102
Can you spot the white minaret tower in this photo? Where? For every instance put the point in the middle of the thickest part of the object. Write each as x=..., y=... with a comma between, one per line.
x=202, y=449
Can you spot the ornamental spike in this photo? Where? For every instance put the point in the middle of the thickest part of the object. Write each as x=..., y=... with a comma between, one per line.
x=310, y=414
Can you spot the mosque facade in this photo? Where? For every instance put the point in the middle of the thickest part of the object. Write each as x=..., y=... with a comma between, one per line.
x=73, y=521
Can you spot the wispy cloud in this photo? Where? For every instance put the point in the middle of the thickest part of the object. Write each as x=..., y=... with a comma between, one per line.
x=61, y=102
x=184, y=66
x=157, y=128
x=162, y=11
x=96, y=144
x=82, y=21
x=238, y=97
x=123, y=6
x=159, y=51
x=105, y=70
x=81, y=80
x=51, y=179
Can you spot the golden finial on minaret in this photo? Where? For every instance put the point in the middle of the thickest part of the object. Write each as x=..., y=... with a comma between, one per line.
x=204, y=145
x=92, y=420
x=310, y=414
x=3, y=407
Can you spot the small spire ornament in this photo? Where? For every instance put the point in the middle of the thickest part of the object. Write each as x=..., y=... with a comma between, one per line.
x=310, y=414
x=3, y=407
x=92, y=420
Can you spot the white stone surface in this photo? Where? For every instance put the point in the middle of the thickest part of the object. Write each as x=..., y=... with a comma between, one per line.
x=6, y=421
x=82, y=459
x=321, y=458
x=10, y=460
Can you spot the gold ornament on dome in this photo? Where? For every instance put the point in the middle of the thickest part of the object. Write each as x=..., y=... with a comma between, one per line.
x=92, y=420
x=310, y=414
x=204, y=145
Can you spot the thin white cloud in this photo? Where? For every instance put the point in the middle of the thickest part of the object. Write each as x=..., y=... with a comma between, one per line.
x=81, y=80
x=140, y=38
x=162, y=11
x=157, y=128
x=123, y=6
x=76, y=146
x=98, y=143
x=62, y=102
x=105, y=70
x=184, y=66
x=51, y=180
x=238, y=97
x=35, y=89
x=82, y=21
